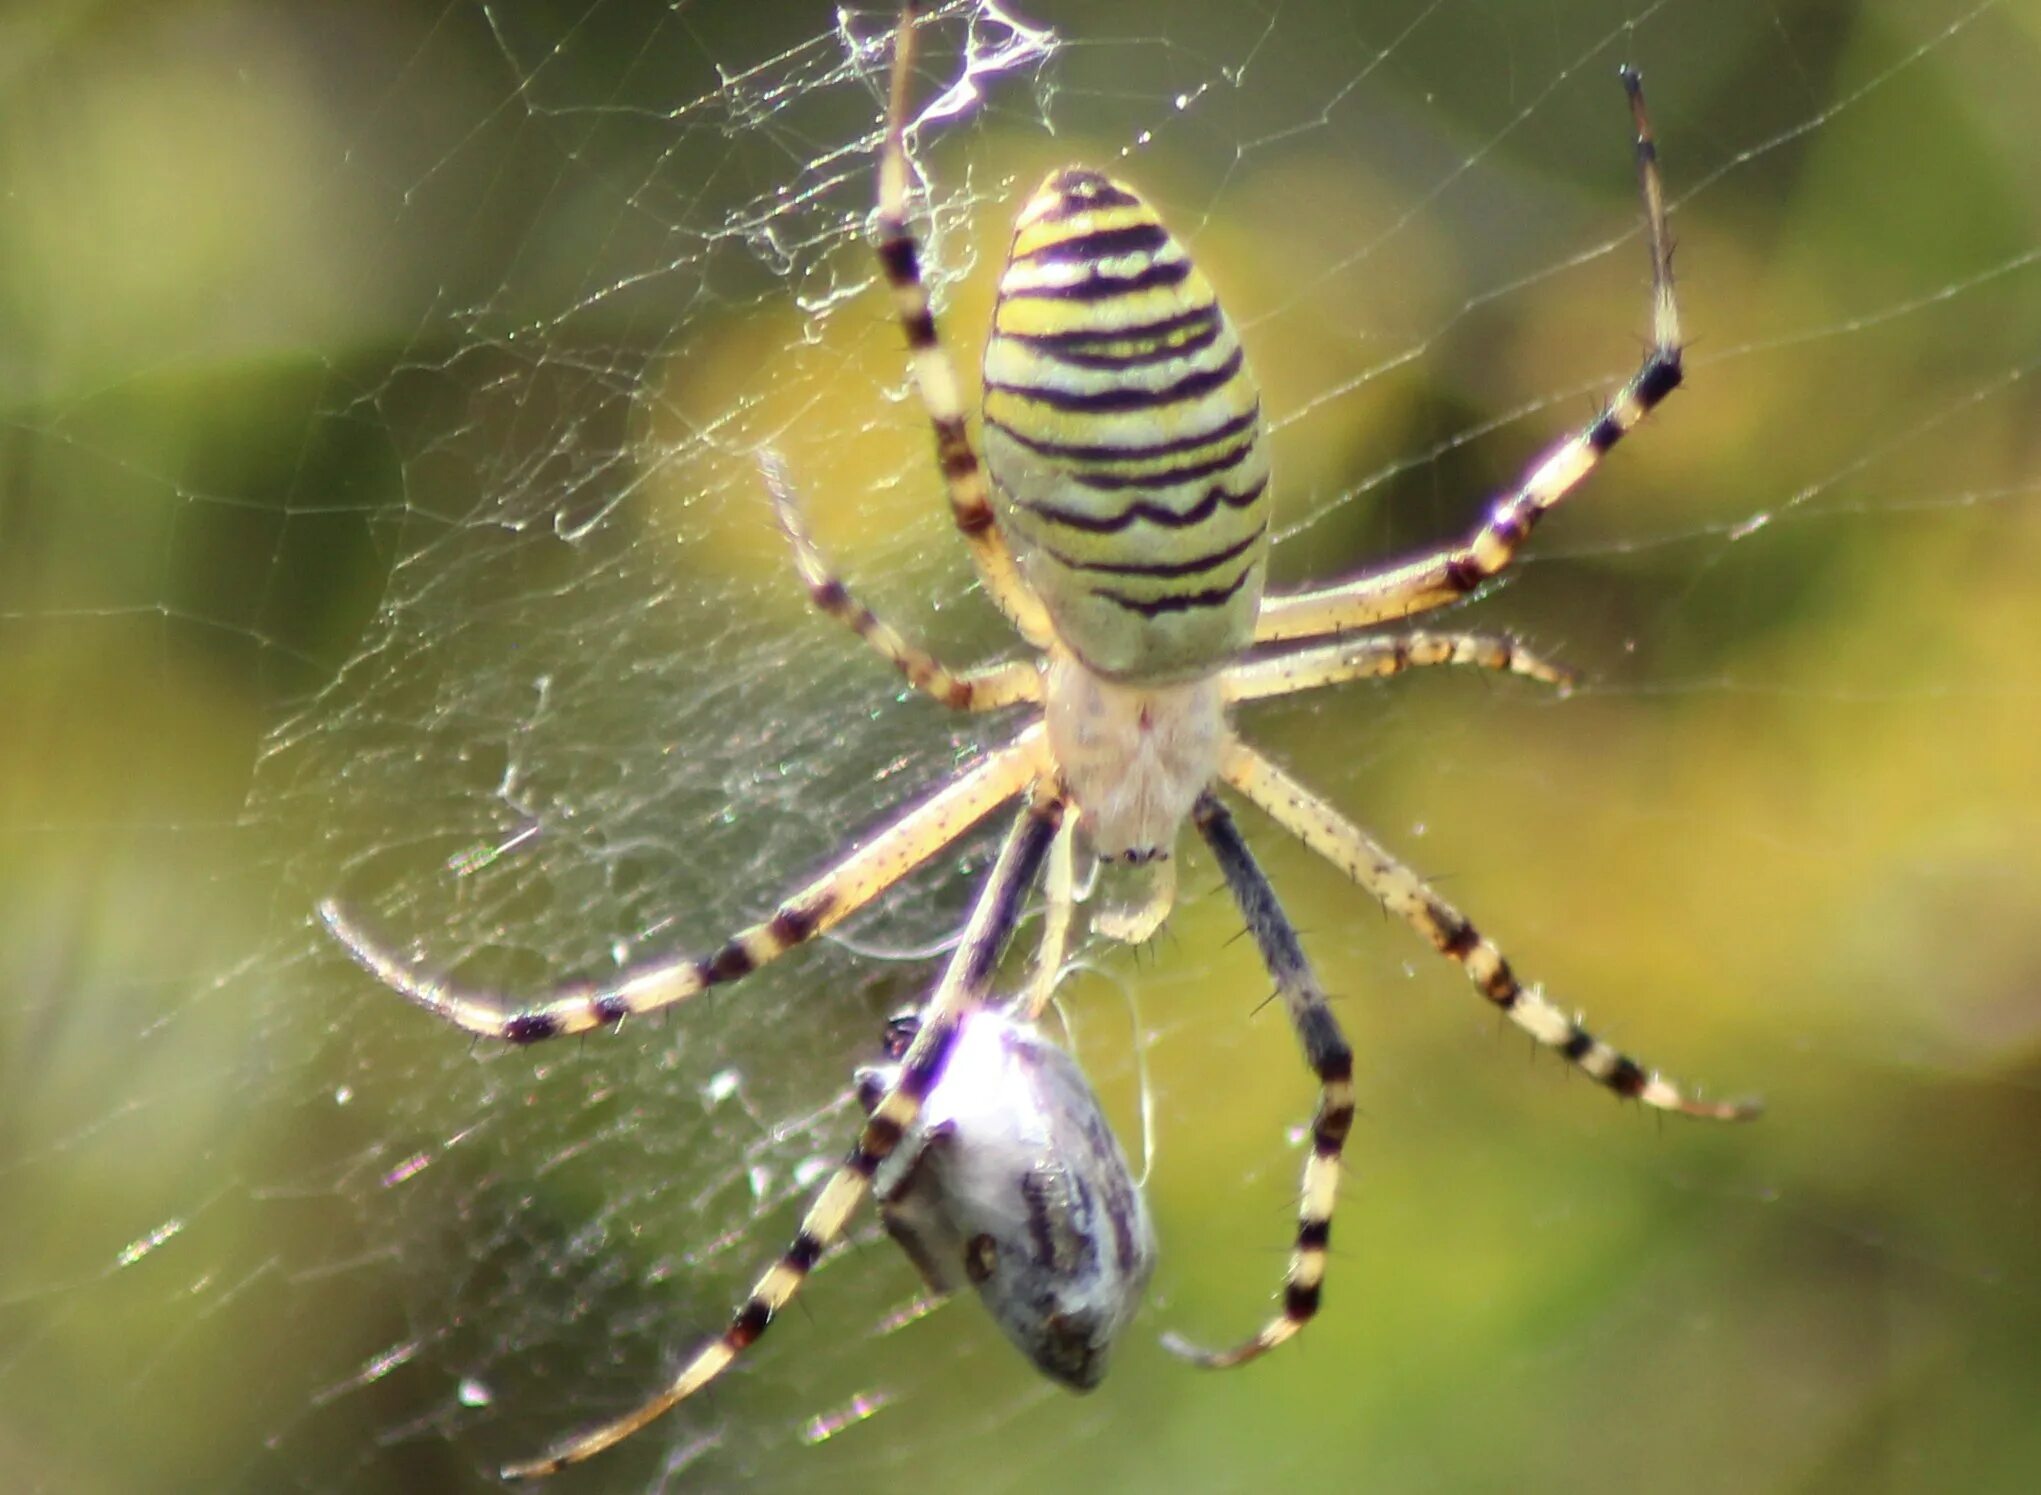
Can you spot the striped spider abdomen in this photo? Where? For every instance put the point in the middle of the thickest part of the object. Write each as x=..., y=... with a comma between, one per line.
x=1123, y=436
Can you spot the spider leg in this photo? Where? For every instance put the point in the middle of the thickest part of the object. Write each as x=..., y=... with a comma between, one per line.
x=1135, y=922
x=1405, y=894
x=966, y=983
x=868, y=870
x=984, y=689
x=935, y=376
x=1325, y=1049
x=1059, y=888
x=1447, y=575
x=1377, y=655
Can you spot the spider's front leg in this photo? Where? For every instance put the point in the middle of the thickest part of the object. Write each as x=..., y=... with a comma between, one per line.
x=965, y=986
x=1059, y=891
x=867, y=871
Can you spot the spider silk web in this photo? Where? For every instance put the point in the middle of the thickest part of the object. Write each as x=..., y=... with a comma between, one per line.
x=382, y=520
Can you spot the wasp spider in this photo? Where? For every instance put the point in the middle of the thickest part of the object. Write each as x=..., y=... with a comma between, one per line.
x=1124, y=532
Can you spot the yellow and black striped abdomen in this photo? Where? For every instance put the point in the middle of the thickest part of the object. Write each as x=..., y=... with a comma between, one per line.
x=1123, y=433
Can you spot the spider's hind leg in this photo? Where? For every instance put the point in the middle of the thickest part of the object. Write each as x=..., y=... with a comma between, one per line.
x=1453, y=572
x=935, y=375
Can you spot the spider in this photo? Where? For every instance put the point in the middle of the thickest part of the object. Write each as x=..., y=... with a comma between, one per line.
x=1128, y=469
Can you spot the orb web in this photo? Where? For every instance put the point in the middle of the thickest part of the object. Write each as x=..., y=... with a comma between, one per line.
x=430, y=569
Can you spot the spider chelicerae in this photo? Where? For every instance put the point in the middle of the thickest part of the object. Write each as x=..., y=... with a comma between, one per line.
x=1128, y=467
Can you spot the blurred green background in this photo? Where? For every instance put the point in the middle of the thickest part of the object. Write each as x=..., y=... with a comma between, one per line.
x=378, y=389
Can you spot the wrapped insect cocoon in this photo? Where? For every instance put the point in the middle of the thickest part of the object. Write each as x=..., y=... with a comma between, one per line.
x=1012, y=1181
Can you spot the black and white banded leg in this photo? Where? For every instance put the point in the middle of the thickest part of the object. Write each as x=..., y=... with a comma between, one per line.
x=966, y=984
x=1059, y=910
x=935, y=375
x=986, y=688
x=1325, y=1050
x=1447, y=575
x=1403, y=893
x=1377, y=656
x=872, y=866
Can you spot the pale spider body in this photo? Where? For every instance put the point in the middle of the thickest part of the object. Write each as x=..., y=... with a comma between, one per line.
x=1134, y=758
x=1011, y=1180
x=1128, y=468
